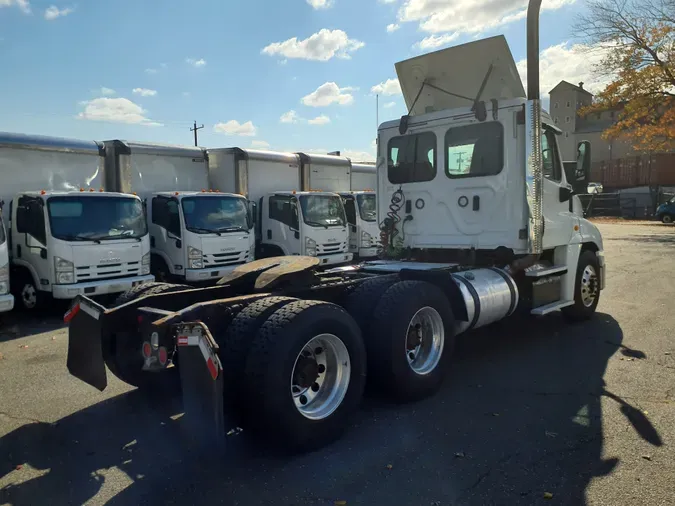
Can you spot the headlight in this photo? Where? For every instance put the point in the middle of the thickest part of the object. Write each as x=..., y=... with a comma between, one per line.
x=4, y=279
x=195, y=260
x=310, y=247
x=366, y=239
x=145, y=264
x=65, y=271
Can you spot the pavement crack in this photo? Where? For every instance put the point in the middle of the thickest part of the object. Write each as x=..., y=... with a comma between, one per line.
x=486, y=474
x=21, y=418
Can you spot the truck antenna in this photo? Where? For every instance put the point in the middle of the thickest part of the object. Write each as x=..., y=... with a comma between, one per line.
x=194, y=129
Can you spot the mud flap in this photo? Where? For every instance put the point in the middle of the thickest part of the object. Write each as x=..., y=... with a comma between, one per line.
x=86, y=324
x=201, y=382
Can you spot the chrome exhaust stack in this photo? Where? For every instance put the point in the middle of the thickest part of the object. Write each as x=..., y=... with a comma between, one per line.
x=534, y=178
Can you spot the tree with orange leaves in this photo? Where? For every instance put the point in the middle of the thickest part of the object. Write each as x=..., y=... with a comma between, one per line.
x=638, y=40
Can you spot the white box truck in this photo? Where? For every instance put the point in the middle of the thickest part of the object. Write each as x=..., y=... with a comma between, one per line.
x=6, y=297
x=361, y=210
x=290, y=220
x=68, y=236
x=197, y=234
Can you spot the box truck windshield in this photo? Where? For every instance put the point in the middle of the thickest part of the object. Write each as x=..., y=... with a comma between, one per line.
x=76, y=218
x=322, y=210
x=367, y=207
x=205, y=215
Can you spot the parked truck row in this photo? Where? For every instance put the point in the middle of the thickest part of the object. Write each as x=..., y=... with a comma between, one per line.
x=480, y=219
x=99, y=218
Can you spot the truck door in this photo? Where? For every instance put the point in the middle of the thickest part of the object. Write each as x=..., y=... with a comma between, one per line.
x=282, y=228
x=350, y=212
x=30, y=247
x=559, y=220
x=165, y=236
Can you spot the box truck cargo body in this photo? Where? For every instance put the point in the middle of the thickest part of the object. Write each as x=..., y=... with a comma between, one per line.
x=67, y=235
x=197, y=234
x=289, y=219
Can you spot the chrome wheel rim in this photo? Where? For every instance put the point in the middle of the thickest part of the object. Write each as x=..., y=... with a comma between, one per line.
x=29, y=296
x=589, y=286
x=320, y=376
x=425, y=339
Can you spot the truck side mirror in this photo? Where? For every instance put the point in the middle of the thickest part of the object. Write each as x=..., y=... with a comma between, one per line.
x=295, y=219
x=578, y=173
x=22, y=219
x=252, y=207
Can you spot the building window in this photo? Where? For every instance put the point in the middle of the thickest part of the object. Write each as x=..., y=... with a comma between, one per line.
x=568, y=103
x=555, y=120
x=567, y=134
x=567, y=119
x=555, y=106
x=612, y=114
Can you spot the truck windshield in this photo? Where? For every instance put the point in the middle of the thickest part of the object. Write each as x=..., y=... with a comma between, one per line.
x=322, y=210
x=96, y=218
x=367, y=206
x=209, y=214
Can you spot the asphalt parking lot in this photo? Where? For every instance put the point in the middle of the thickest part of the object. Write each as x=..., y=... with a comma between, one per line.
x=534, y=412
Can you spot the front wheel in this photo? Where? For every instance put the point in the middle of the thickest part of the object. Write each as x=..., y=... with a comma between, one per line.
x=27, y=294
x=305, y=375
x=586, y=288
x=667, y=218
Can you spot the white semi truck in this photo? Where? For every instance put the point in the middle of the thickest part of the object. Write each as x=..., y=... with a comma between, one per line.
x=292, y=216
x=480, y=221
x=361, y=211
x=197, y=234
x=66, y=235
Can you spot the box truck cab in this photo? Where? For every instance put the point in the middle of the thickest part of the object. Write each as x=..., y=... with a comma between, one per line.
x=361, y=210
x=288, y=219
x=6, y=298
x=195, y=235
x=67, y=236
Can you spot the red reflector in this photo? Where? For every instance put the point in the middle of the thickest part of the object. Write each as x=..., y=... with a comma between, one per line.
x=147, y=349
x=71, y=313
x=163, y=355
x=212, y=368
x=139, y=318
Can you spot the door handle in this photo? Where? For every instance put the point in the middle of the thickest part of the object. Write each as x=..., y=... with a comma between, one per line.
x=476, y=202
x=269, y=233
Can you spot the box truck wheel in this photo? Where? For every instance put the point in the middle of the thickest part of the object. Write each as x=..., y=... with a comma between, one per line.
x=26, y=292
x=667, y=218
x=125, y=359
x=305, y=375
x=586, y=288
x=410, y=340
x=235, y=343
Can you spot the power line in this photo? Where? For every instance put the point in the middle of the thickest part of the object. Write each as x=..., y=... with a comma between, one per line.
x=194, y=129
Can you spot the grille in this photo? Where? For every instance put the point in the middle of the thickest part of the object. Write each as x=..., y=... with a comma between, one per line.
x=85, y=273
x=331, y=248
x=225, y=259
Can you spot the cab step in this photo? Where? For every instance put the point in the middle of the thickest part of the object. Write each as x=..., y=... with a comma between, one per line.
x=546, y=271
x=553, y=306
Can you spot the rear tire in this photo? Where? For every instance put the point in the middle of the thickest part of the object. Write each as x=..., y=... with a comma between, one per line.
x=279, y=360
x=361, y=302
x=234, y=345
x=405, y=364
x=125, y=359
x=586, y=288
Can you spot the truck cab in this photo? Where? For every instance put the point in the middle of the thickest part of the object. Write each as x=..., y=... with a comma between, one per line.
x=361, y=213
x=304, y=223
x=68, y=243
x=199, y=236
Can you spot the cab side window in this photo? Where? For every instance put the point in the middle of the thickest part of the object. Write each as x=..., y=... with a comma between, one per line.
x=550, y=157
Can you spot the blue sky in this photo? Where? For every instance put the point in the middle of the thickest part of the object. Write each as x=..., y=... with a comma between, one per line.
x=144, y=70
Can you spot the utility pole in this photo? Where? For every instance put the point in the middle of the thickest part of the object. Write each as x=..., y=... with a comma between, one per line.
x=195, y=131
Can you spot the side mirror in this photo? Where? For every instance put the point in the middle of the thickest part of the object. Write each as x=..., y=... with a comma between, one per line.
x=179, y=243
x=566, y=193
x=21, y=220
x=295, y=219
x=578, y=173
x=403, y=124
x=252, y=207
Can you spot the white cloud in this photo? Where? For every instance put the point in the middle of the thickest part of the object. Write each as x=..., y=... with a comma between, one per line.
x=572, y=63
x=260, y=145
x=52, y=12
x=389, y=105
x=150, y=71
x=358, y=156
x=115, y=110
x=23, y=5
x=144, y=92
x=319, y=120
x=320, y=4
x=467, y=16
x=327, y=94
x=387, y=1
x=321, y=46
x=106, y=92
x=289, y=117
x=196, y=63
x=233, y=127
x=387, y=88
x=393, y=27
x=434, y=41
